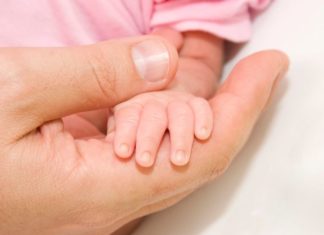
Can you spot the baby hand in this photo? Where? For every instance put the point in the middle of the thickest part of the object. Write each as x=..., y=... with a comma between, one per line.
x=143, y=120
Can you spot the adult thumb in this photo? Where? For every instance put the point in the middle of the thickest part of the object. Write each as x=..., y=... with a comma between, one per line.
x=49, y=83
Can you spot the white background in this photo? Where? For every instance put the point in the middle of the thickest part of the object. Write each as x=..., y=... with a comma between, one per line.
x=276, y=184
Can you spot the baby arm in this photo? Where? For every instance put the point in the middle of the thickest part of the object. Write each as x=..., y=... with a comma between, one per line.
x=141, y=122
x=200, y=65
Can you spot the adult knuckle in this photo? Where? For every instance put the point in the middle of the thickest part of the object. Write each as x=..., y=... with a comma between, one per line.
x=103, y=72
x=12, y=81
x=220, y=167
x=158, y=190
x=16, y=90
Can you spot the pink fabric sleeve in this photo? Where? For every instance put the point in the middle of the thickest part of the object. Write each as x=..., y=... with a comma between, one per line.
x=228, y=19
x=63, y=22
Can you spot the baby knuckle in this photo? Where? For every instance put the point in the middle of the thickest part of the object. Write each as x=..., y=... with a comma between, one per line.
x=132, y=120
x=174, y=105
x=198, y=101
x=129, y=106
x=184, y=115
x=179, y=108
x=158, y=118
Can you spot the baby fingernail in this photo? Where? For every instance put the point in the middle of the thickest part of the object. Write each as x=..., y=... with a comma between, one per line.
x=145, y=159
x=180, y=158
x=203, y=133
x=151, y=59
x=123, y=150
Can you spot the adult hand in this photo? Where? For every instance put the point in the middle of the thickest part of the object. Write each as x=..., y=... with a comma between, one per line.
x=40, y=180
x=52, y=183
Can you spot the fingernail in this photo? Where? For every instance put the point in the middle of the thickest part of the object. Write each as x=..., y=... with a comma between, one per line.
x=146, y=159
x=203, y=133
x=151, y=59
x=180, y=158
x=123, y=150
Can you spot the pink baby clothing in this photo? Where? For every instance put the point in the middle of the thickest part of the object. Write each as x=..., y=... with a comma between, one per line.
x=75, y=22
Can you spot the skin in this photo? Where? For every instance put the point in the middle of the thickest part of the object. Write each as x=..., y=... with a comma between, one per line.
x=182, y=109
x=53, y=182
